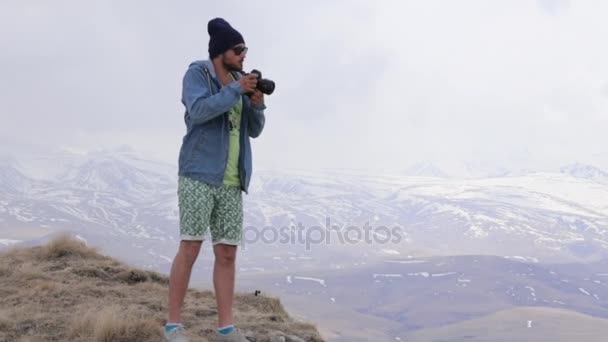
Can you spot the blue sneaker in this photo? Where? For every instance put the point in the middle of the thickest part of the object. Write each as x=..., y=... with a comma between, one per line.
x=177, y=334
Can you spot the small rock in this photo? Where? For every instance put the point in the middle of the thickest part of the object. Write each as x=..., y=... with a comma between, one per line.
x=292, y=338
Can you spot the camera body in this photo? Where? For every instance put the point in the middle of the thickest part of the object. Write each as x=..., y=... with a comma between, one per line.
x=264, y=85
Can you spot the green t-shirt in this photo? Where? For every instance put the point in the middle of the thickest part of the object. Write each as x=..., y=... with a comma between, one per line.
x=231, y=177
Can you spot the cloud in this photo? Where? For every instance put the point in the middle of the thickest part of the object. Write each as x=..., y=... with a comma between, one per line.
x=358, y=84
x=554, y=6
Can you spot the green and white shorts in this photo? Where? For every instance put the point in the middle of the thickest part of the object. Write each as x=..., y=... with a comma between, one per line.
x=203, y=207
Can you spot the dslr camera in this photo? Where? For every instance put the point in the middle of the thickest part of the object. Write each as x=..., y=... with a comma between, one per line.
x=264, y=85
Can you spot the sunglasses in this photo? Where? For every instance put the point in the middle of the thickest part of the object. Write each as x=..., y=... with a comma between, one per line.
x=238, y=50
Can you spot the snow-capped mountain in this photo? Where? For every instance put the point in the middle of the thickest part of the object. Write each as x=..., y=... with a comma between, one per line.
x=425, y=169
x=11, y=179
x=115, y=199
x=128, y=204
x=460, y=170
x=544, y=215
x=584, y=171
x=110, y=174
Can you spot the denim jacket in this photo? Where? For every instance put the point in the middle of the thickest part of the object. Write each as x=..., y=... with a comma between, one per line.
x=204, y=152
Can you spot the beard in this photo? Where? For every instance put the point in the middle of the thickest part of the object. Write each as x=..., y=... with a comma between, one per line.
x=232, y=66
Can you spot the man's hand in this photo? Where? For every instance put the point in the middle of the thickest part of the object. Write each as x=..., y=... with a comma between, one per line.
x=248, y=83
x=257, y=98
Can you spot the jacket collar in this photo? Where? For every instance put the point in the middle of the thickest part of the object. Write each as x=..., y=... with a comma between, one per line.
x=209, y=65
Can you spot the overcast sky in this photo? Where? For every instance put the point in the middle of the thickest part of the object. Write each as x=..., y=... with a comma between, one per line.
x=362, y=84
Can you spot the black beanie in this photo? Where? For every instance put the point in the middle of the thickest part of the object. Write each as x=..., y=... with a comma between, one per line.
x=222, y=37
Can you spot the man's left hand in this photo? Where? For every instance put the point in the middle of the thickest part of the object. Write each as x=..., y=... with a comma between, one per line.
x=257, y=98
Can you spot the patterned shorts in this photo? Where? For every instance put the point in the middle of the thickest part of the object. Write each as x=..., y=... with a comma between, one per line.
x=203, y=207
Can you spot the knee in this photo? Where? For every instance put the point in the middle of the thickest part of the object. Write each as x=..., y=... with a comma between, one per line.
x=190, y=249
x=225, y=254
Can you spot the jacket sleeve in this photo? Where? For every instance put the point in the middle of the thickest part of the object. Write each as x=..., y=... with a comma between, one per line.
x=256, y=120
x=200, y=104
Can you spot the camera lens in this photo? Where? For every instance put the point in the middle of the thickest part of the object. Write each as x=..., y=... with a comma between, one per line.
x=266, y=86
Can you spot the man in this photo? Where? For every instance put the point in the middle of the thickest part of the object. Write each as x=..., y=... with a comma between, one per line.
x=223, y=111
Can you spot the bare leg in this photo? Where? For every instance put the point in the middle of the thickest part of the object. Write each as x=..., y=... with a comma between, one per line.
x=180, y=277
x=223, y=281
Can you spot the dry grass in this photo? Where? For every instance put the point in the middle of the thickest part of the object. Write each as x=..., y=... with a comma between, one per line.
x=113, y=324
x=66, y=291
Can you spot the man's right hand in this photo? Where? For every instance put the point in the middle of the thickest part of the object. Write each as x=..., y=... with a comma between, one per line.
x=248, y=83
